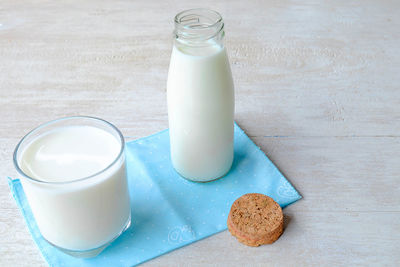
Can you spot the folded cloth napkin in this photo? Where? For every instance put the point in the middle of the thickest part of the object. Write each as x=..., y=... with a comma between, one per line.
x=168, y=211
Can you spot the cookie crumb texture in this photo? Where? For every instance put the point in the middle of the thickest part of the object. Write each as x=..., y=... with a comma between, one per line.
x=255, y=219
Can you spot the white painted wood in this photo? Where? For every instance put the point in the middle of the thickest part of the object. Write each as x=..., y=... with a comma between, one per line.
x=317, y=87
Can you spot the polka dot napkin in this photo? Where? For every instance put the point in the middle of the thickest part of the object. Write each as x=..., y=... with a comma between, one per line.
x=169, y=212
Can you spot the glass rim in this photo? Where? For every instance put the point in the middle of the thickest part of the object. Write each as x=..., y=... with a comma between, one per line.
x=43, y=125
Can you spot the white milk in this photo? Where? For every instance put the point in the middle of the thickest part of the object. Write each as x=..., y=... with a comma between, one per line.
x=85, y=214
x=200, y=111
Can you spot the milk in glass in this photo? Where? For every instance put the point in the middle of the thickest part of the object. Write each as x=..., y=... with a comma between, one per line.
x=75, y=182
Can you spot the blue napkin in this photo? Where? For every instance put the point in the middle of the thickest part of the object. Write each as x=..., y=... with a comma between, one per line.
x=169, y=212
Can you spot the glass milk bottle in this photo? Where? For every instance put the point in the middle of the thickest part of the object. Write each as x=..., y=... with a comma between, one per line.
x=200, y=97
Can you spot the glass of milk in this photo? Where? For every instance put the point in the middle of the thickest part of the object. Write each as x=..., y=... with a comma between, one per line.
x=200, y=97
x=74, y=177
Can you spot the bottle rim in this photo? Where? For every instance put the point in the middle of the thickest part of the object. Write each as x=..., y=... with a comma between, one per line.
x=198, y=24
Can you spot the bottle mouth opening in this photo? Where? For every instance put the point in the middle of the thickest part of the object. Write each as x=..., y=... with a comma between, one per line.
x=198, y=18
x=198, y=23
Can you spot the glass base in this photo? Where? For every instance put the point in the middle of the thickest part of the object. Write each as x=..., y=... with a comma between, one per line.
x=91, y=252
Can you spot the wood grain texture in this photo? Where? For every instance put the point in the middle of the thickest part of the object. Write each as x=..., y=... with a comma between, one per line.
x=317, y=88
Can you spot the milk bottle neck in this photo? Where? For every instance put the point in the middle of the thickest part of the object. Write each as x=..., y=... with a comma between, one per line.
x=197, y=28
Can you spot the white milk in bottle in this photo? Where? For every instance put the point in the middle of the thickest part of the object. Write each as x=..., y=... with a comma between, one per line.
x=200, y=97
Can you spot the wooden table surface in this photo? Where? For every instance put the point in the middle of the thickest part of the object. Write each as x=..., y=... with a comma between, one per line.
x=317, y=88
